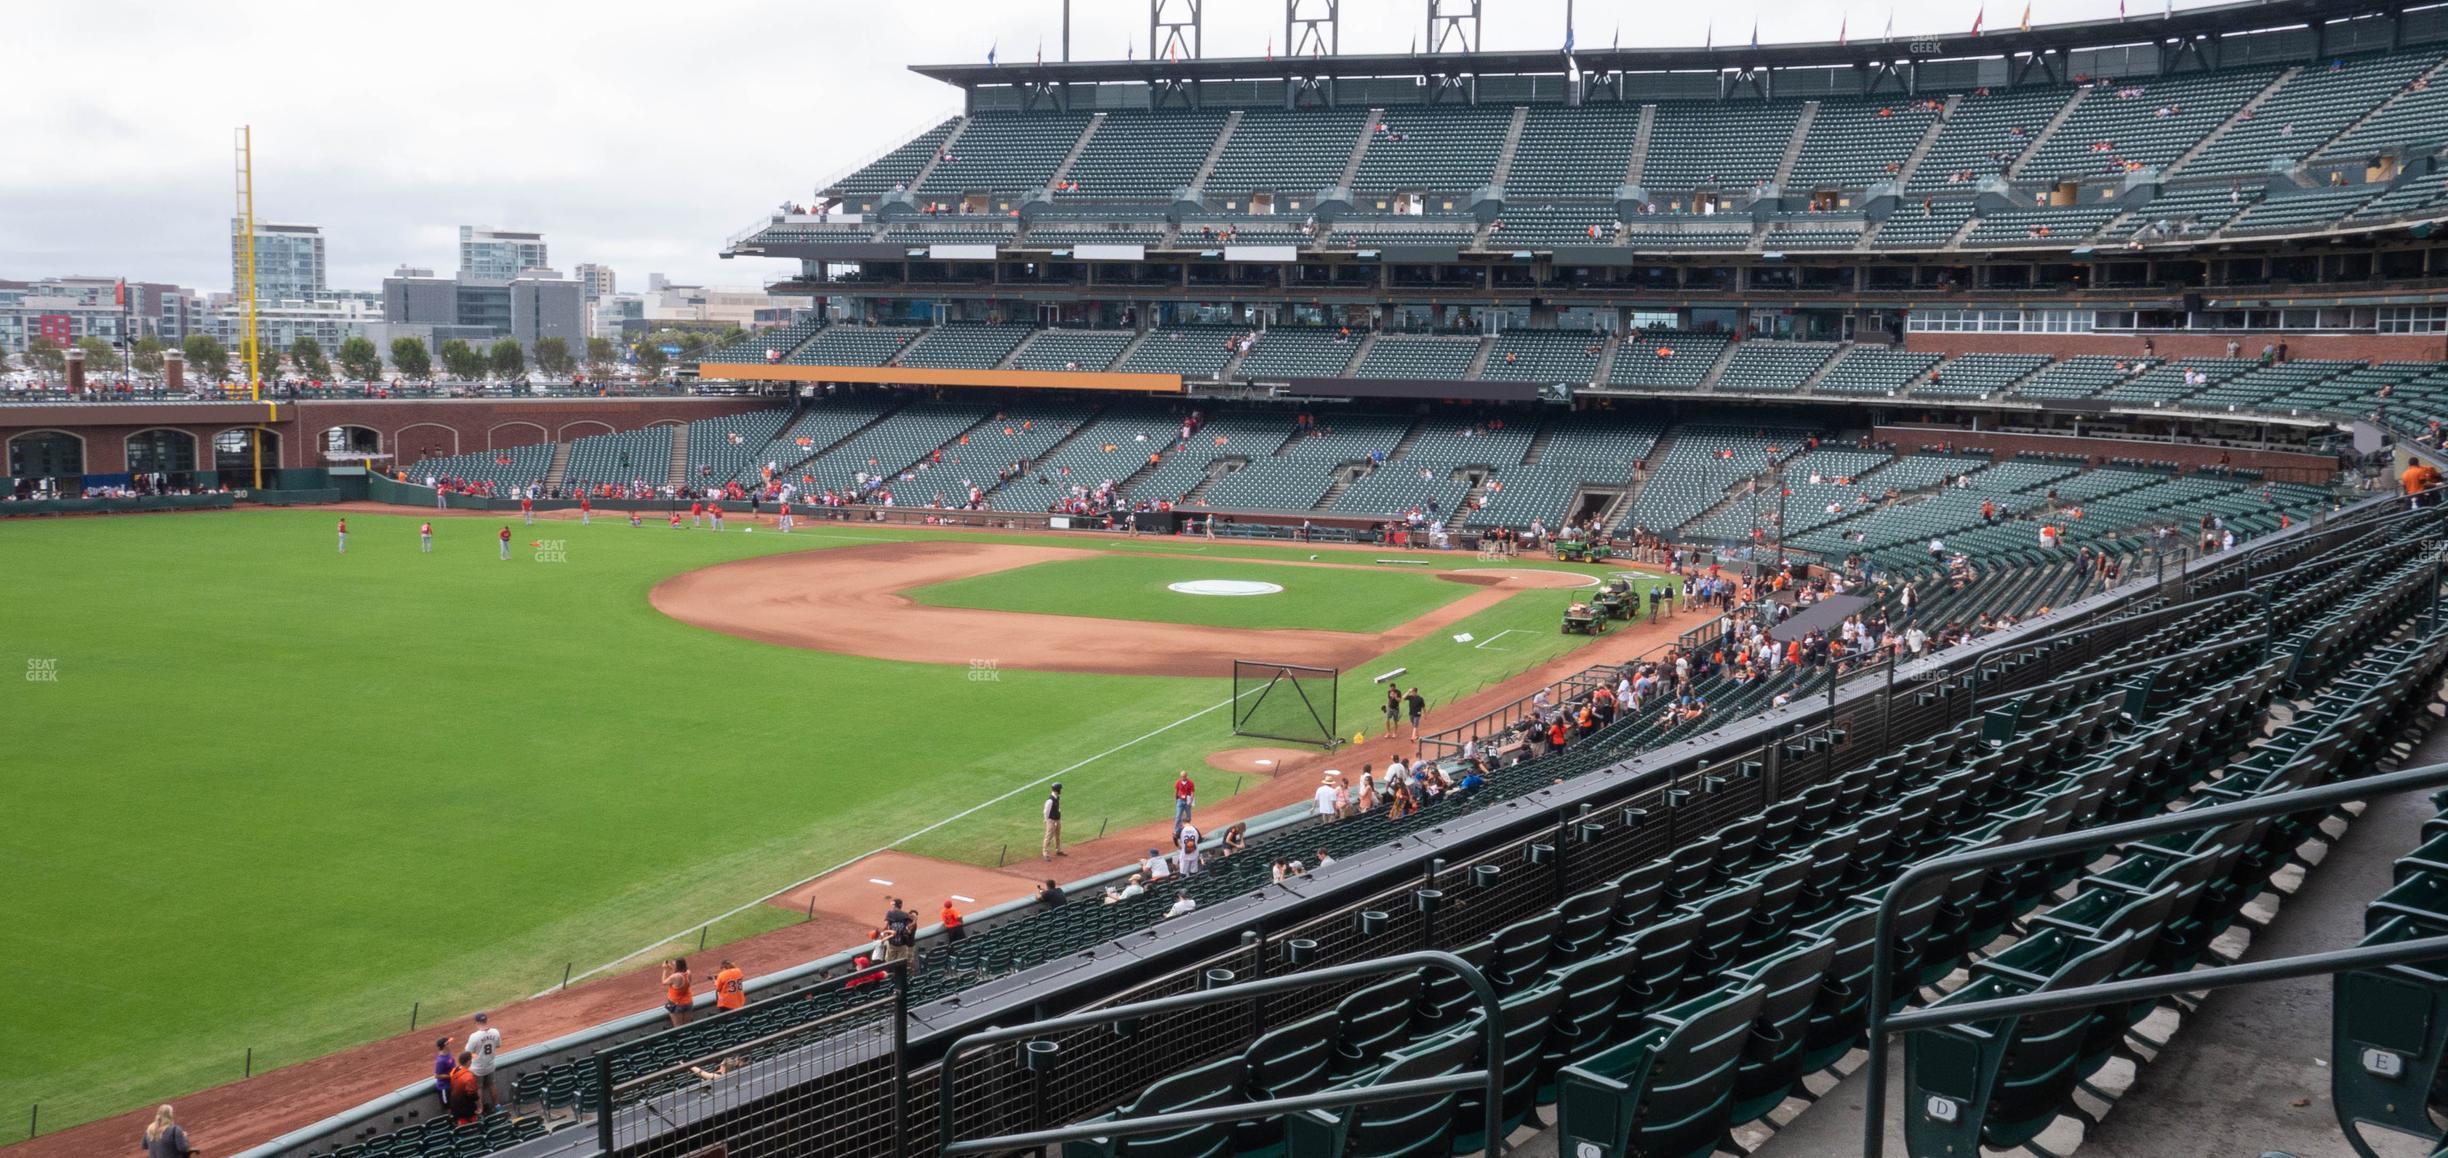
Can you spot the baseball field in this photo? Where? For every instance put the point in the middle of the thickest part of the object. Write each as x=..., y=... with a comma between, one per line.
x=263, y=796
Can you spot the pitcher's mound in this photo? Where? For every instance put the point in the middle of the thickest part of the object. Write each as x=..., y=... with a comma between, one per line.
x=1521, y=577
x=1261, y=761
x=861, y=891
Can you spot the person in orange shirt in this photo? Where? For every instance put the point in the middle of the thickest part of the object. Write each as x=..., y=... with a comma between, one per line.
x=466, y=1103
x=953, y=932
x=678, y=994
x=730, y=988
x=2420, y=477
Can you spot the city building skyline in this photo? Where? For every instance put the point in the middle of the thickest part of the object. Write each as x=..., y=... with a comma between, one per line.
x=500, y=254
x=290, y=261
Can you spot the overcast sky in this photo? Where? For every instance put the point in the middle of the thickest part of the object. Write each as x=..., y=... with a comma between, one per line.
x=637, y=135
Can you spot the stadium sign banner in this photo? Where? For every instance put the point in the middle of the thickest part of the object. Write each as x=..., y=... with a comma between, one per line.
x=1464, y=390
x=923, y=376
x=2078, y=405
x=1600, y=255
x=1109, y=252
x=840, y=251
x=1262, y=253
x=961, y=252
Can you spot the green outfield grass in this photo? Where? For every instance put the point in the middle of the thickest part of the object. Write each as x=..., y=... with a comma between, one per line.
x=1137, y=587
x=274, y=796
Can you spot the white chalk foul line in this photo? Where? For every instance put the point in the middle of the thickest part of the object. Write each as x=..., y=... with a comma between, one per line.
x=905, y=838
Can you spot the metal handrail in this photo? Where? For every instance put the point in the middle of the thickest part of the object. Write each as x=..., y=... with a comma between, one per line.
x=1506, y=714
x=895, y=975
x=1874, y=1119
x=2153, y=663
x=1492, y=1076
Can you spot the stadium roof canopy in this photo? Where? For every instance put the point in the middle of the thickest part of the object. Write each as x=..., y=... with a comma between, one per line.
x=2192, y=25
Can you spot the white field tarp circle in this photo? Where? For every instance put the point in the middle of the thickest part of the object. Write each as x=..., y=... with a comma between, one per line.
x=1225, y=587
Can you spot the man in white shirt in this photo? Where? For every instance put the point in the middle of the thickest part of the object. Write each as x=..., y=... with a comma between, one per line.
x=484, y=1043
x=1325, y=797
x=1181, y=904
x=1158, y=868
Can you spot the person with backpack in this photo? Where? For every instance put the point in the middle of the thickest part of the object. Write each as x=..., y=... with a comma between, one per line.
x=165, y=1138
x=900, y=933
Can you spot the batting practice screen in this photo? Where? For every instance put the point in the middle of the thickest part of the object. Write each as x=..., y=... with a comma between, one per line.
x=1285, y=701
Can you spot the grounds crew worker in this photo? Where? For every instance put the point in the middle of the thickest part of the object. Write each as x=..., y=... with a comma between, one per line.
x=1052, y=847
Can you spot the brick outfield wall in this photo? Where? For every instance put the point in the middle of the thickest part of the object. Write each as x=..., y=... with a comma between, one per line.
x=2335, y=347
x=2279, y=465
x=408, y=428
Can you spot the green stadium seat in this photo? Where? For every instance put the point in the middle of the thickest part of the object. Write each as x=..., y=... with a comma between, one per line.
x=1669, y=1090
x=1789, y=980
x=2000, y=1083
x=1405, y=1128
x=1218, y=1083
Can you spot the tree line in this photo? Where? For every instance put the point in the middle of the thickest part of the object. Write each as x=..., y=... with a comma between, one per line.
x=359, y=359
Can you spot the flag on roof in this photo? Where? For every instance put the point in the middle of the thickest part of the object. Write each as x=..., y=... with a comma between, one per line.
x=990, y=53
x=1977, y=16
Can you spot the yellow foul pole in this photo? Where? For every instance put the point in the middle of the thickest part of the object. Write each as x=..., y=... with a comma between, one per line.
x=248, y=344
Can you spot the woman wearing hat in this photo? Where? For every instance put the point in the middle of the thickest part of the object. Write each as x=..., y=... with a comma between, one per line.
x=1328, y=796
